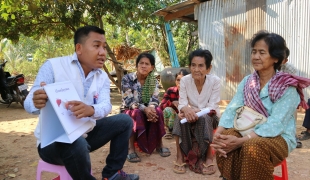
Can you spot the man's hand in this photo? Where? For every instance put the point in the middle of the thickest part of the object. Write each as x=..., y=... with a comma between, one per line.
x=40, y=97
x=151, y=114
x=190, y=114
x=79, y=109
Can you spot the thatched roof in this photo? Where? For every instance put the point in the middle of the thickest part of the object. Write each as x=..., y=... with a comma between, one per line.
x=124, y=52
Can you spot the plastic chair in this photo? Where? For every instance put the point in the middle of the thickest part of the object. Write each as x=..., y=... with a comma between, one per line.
x=60, y=170
x=284, y=171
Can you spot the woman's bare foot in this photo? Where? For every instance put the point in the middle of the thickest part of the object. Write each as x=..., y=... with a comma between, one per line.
x=132, y=155
x=179, y=165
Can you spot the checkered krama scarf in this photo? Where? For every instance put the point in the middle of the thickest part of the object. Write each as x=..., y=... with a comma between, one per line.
x=148, y=87
x=277, y=86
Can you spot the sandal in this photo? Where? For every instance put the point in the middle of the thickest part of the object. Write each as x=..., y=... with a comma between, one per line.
x=207, y=172
x=133, y=157
x=305, y=136
x=164, y=152
x=168, y=136
x=176, y=170
x=299, y=144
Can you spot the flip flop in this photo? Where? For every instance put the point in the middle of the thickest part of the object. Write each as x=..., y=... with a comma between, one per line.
x=176, y=170
x=299, y=144
x=305, y=136
x=207, y=172
x=133, y=157
x=164, y=152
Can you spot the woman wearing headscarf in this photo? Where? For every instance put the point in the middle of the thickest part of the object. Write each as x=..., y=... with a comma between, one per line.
x=140, y=101
x=274, y=95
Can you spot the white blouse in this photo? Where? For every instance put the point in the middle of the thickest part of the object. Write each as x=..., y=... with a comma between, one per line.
x=209, y=96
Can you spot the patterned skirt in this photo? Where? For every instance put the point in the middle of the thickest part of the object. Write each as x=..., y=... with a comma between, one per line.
x=148, y=133
x=256, y=158
x=195, y=139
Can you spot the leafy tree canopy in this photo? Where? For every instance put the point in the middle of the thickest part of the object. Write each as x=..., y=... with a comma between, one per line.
x=125, y=21
x=54, y=18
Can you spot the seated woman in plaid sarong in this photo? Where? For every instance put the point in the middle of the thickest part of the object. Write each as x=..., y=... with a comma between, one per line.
x=198, y=90
x=140, y=101
x=273, y=94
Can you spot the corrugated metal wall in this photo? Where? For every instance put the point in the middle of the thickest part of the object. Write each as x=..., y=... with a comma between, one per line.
x=225, y=27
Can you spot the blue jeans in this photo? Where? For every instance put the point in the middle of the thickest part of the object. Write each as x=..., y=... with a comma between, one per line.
x=75, y=157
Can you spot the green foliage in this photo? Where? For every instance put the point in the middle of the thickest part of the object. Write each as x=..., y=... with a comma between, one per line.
x=44, y=28
x=17, y=54
x=54, y=18
x=184, y=41
x=3, y=44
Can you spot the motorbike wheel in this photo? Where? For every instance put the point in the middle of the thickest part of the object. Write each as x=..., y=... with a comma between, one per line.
x=24, y=93
x=22, y=102
x=3, y=102
x=7, y=100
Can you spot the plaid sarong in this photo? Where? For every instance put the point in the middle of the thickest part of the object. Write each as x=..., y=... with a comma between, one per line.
x=149, y=134
x=277, y=86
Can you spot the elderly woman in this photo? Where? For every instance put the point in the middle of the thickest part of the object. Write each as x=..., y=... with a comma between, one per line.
x=198, y=90
x=170, y=102
x=271, y=93
x=140, y=101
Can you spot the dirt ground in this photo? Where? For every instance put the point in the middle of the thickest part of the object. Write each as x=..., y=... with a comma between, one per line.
x=18, y=155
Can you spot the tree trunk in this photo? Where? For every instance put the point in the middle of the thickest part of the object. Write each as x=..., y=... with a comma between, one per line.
x=189, y=43
x=118, y=69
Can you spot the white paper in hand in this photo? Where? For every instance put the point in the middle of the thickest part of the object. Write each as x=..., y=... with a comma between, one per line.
x=57, y=122
x=199, y=114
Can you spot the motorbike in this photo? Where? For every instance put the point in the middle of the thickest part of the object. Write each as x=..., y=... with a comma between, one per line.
x=12, y=88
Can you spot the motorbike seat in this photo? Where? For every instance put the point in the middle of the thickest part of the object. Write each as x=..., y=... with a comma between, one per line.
x=10, y=81
x=19, y=75
x=12, y=77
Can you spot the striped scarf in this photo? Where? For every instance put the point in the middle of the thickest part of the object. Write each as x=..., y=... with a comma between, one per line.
x=277, y=86
x=148, y=87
